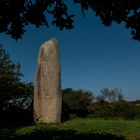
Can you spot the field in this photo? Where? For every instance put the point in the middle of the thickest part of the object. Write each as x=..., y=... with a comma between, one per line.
x=83, y=129
x=128, y=129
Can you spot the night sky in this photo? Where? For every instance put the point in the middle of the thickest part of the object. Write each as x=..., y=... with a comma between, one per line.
x=92, y=56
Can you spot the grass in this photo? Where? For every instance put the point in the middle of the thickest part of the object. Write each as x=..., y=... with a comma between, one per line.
x=83, y=129
x=130, y=129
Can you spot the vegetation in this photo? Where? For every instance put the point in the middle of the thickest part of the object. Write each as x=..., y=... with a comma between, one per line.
x=15, y=96
x=16, y=15
x=9, y=77
x=108, y=105
x=76, y=102
x=83, y=129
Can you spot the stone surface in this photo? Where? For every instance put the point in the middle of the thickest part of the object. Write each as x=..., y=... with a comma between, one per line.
x=47, y=90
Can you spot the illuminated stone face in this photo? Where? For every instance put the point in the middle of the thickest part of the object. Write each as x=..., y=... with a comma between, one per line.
x=47, y=91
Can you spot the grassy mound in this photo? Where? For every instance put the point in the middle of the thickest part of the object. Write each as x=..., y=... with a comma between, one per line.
x=82, y=129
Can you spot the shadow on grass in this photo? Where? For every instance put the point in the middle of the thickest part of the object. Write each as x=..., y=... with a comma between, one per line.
x=56, y=134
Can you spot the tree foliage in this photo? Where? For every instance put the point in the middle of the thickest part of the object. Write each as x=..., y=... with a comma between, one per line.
x=9, y=78
x=15, y=96
x=109, y=105
x=15, y=15
x=110, y=95
x=76, y=102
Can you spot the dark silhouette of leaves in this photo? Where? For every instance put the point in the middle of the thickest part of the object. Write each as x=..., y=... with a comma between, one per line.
x=15, y=15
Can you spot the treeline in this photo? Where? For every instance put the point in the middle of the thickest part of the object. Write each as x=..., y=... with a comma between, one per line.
x=109, y=105
x=16, y=99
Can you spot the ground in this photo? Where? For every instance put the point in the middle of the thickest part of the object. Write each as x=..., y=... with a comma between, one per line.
x=83, y=129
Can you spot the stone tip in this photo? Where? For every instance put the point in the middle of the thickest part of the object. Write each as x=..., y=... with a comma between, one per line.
x=53, y=39
x=51, y=42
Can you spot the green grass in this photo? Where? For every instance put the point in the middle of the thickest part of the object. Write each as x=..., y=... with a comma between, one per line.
x=129, y=129
x=83, y=129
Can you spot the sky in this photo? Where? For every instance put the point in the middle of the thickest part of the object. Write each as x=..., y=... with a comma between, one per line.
x=92, y=56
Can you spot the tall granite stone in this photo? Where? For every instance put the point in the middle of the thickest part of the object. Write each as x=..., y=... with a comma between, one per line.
x=47, y=90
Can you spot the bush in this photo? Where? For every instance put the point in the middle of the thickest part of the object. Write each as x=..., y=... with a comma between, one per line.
x=76, y=102
x=118, y=109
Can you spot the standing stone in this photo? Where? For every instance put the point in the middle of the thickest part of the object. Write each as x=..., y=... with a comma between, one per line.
x=47, y=91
